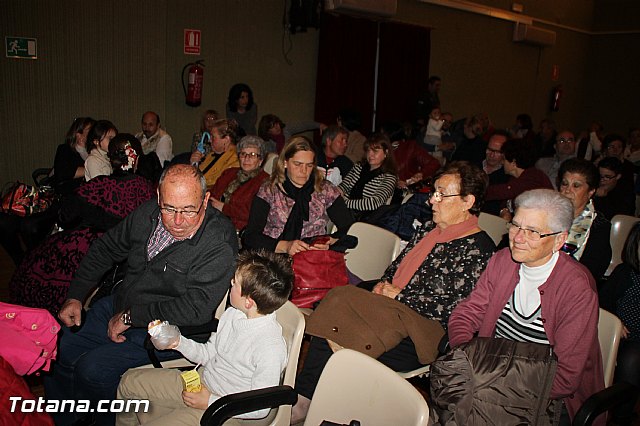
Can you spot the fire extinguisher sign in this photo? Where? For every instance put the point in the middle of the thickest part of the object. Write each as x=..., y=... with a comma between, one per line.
x=192, y=42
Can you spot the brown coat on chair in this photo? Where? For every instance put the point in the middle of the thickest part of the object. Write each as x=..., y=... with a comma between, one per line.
x=373, y=324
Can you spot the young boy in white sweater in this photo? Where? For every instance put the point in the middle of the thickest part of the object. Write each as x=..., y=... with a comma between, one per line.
x=246, y=352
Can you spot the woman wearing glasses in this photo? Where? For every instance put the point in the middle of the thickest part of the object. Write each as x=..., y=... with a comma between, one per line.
x=234, y=190
x=533, y=292
x=613, y=195
x=588, y=239
x=436, y=270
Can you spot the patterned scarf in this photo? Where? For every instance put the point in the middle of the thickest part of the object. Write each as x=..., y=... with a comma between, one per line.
x=241, y=178
x=579, y=232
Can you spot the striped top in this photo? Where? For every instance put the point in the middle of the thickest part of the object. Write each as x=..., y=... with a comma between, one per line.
x=376, y=192
x=513, y=325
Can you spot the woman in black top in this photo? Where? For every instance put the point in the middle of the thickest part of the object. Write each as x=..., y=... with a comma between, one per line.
x=68, y=173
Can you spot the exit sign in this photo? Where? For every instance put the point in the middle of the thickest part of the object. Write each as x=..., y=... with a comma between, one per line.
x=21, y=47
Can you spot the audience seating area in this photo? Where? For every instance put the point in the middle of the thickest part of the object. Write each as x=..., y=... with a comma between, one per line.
x=354, y=386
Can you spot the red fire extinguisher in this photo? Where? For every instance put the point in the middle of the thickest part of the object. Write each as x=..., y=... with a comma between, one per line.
x=193, y=90
x=556, y=95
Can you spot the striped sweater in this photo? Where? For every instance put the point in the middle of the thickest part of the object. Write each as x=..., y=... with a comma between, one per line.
x=376, y=192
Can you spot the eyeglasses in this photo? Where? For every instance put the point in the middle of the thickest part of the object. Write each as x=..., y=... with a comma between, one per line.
x=251, y=155
x=494, y=151
x=438, y=196
x=529, y=234
x=170, y=211
x=566, y=140
x=607, y=177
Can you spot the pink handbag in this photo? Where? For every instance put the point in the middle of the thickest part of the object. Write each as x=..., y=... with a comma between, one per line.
x=30, y=337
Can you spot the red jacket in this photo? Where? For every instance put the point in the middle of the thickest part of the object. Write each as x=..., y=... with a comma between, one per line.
x=238, y=207
x=14, y=385
x=569, y=303
x=530, y=178
x=411, y=158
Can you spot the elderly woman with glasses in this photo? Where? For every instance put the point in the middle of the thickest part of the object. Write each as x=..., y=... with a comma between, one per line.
x=436, y=270
x=234, y=190
x=534, y=292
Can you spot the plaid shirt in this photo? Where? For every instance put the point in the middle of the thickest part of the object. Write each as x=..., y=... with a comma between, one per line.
x=160, y=240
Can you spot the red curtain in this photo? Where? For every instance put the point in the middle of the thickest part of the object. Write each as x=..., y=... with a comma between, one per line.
x=403, y=70
x=347, y=62
x=346, y=67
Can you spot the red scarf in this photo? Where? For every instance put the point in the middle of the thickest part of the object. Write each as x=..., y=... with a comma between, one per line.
x=412, y=261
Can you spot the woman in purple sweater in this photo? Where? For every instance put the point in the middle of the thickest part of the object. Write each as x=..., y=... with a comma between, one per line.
x=533, y=292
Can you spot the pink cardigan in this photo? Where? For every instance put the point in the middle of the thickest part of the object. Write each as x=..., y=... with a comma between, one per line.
x=569, y=305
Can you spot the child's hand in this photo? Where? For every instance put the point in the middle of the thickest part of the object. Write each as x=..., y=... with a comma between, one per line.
x=197, y=399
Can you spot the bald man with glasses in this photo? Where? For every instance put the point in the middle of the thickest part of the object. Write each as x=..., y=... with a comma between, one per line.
x=179, y=258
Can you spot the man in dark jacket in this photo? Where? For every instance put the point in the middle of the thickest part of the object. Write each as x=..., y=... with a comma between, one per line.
x=180, y=260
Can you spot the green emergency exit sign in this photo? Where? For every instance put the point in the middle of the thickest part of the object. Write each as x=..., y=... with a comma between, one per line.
x=21, y=47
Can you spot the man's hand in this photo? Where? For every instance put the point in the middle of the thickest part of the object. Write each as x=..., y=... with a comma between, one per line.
x=71, y=313
x=116, y=328
x=197, y=399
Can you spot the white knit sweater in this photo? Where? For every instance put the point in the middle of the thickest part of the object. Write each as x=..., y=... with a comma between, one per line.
x=244, y=354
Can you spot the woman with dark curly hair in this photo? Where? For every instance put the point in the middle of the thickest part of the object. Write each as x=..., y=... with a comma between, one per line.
x=588, y=239
x=241, y=108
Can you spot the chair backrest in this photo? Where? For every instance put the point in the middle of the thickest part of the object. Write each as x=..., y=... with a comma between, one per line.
x=609, y=335
x=354, y=386
x=493, y=225
x=375, y=251
x=620, y=226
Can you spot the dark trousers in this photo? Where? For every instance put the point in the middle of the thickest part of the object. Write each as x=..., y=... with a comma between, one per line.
x=89, y=364
x=401, y=358
x=627, y=370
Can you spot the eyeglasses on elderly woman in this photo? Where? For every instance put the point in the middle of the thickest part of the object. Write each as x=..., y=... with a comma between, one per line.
x=529, y=234
x=439, y=196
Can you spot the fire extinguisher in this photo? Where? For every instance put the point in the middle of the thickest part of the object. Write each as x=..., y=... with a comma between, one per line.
x=556, y=95
x=193, y=90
